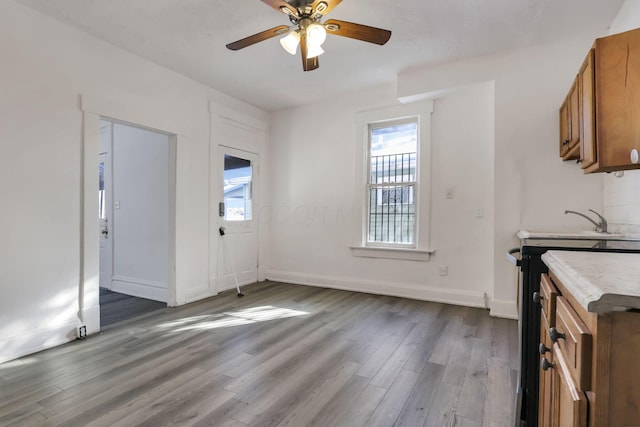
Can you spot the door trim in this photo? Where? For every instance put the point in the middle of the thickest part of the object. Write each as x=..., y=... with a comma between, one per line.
x=224, y=116
x=94, y=107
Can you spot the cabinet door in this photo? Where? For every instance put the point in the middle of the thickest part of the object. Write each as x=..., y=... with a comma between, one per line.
x=569, y=403
x=618, y=100
x=546, y=361
x=586, y=80
x=564, y=128
x=574, y=115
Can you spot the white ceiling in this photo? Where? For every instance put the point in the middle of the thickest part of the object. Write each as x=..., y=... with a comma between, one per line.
x=189, y=37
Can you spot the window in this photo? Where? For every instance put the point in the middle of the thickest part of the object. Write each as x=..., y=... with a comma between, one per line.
x=393, y=157
x=237, y=189
x=392, y=183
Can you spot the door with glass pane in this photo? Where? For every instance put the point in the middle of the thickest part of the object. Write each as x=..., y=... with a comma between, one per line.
x=238, y=252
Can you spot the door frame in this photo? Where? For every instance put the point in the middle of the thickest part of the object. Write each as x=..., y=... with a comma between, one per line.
x=224, y=116
x=144, y=116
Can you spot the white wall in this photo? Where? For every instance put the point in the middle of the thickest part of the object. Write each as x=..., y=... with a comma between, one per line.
x=532, y=186
x=141, y=223
x=622, y=194
x=313, y=216
x=45, y=68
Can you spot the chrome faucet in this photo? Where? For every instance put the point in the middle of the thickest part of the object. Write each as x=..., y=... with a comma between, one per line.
x=601, y=227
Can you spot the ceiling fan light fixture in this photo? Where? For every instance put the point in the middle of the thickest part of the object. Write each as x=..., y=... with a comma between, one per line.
x=316, y=34
x=290, y=42
x=314, y=50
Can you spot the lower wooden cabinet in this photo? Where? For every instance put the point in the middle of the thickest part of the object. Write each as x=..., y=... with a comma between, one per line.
x=589, y=363
x=568, y=402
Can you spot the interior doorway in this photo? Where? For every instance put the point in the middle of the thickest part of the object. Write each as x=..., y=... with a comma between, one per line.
x=136, y=202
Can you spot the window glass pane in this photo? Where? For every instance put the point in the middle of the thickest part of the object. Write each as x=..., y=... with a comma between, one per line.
x=393, y=153
x=237, y=189
x=392, y=214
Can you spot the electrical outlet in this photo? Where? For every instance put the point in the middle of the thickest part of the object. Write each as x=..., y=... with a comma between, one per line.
x=81, y=332
x=444, y=270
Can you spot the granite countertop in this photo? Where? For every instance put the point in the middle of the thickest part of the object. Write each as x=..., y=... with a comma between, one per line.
x=600, y=281
x=573, y=235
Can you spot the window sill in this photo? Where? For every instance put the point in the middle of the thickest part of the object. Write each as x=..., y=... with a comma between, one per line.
x=391, y=253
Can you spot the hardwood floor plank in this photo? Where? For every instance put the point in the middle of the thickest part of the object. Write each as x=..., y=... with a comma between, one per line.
x=356, y=415
x=394, y=400
x=348, y=358
x=307, y=407
x=415, y=410
x=442, y=411
x=35, y=419
x=475, y=381
x=345, y=398
x=496, y=413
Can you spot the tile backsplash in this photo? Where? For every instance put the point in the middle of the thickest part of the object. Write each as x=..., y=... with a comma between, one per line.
x=622, y=201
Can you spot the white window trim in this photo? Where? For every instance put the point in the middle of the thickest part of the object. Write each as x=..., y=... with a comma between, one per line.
x=421, y=250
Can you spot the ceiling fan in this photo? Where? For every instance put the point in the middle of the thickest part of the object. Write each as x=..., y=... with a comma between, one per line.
x=309, y=32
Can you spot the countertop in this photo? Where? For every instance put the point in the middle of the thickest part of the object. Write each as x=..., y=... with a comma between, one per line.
x=573, y=235
x=600, y=281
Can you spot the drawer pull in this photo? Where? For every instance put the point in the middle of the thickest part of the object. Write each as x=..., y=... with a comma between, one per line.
x=542, y=349
x=555, y=335
x=537, y=297
x=545, y=364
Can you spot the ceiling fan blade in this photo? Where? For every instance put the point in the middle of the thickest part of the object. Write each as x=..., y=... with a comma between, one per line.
x=308, y=64
x=264, y=35
x=326, y=8
x=281, y=5
x=357, y=31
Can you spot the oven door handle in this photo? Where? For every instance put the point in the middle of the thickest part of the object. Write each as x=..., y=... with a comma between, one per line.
x=512, y=259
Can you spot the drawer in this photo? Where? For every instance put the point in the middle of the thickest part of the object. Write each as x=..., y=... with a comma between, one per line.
x=547, y=298
x=573, y=339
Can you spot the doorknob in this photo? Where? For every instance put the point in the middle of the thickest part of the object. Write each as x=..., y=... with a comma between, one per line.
x=105, y=229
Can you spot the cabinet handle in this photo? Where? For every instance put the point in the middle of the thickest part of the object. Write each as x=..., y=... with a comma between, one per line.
x=537, y=297
x=634, y=156
x=542, y=349
x=555, y=335
x=545, y=364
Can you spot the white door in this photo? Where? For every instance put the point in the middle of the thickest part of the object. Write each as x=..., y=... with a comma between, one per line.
x=104, y=215
x=237, y=214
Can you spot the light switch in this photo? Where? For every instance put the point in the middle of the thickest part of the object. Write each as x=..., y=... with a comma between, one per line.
x=479, y=213
x=116, y=204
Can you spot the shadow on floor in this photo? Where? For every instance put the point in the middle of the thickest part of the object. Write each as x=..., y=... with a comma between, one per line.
x=115, y=307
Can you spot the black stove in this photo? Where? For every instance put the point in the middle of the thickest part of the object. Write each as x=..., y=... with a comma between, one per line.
x=531, y=268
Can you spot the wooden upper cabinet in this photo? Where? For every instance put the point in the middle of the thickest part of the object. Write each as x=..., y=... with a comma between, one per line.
x=570, y=124
x=564, y=128
x=615, y=120
x=586, y=86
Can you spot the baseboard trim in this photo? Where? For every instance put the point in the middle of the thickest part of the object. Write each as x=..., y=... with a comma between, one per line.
x=91, y=319
x=13, y=347
x=139, y=289
x=412, y=291
x=192, y=295
x=505, y=309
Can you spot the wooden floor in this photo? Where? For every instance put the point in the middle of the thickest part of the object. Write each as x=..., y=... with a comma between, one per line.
x=115, y=307
x=284, y=355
